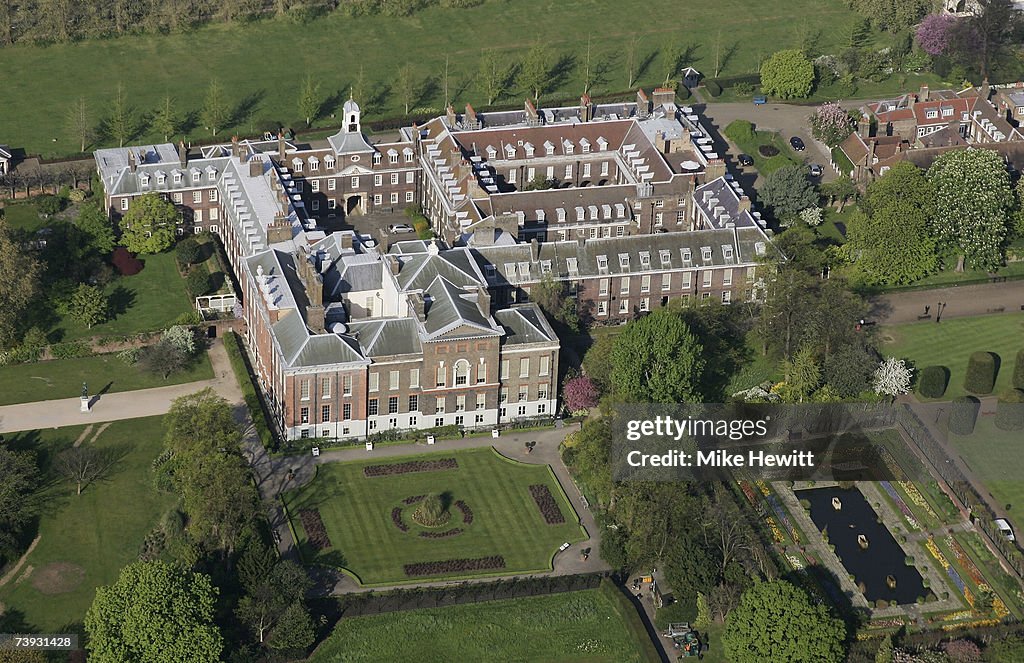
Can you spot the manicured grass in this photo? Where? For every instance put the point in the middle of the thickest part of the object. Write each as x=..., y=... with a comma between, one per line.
x=994, y=457
x=890, y=87
x=63, y=378
x=356, y=511
x=99, y=531
x=749, y=145
x=828, y=229
x=951, y=277
x=335, y=47
x=575, y=626
x=950, y=344
x=759, y=368
x=148, y=301
x=23, y=216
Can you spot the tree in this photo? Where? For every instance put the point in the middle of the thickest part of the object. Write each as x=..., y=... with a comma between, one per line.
x=902, y=183
x=839, y=190
x=892, y=377
x=803, y=374
x=82, y=465
x=787, y=74
x=219, y=498
x=89, y=305
x=310, y=99
x=270, y=596
x=777, y=621
x=537, y=70
x=166, y=120
x=787, y=190
x=990, y=31
x=784, y=310
x=188, y=252
x=20, y=274
x=632, y=59
x=893, y=246
x=215, y=112
x=154, y=612
x=831, y=124
x=294, y=629
x=163, y=359
x=182, y=338
x=122, y=124
x=848, y=371
x=22, y=656
x=885, y=651
x=148, y=226
x=892, y=15
x=558, y=305
x=79, y=123
x=935, y=33
x=407, y=86
x=18, y=479
x=197, y=283
x=671, y=54
x=973, y=200
x=658, y=359
x=96, y=226
x=201, y=422
x=580, y=393
x=494, y=76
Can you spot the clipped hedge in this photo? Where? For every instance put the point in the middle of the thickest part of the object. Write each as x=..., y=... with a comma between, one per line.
x=1018, y=371
x=70, y=350
x=933, y=381
x=981, y=373
x=713, y=87
x=1010, y=410
x=963, y=415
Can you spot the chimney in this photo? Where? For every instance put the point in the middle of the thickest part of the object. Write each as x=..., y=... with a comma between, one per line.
x=236, y=150
x=183, y=155
x=664, y=96
x=280, y=147
x=744, y=203
x=643, y=104
x=864, y=126
x=534, y=250
x=395, y=265
x=985, y=89
x=483, y=300
x=279, y=230
x=586, y=108
x=450, y=116
x=345, y=240
x=532, y=119
x=871, y=151
x=418, y=306
x=314, y=286
x=912, y=100
x=923, y=95
x=256, y=165
x=132, y=164
x=470, y=119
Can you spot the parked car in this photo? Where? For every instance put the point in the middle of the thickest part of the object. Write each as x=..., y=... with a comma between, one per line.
x=397, y=228
x=760, y=100
x=816, y=170
x=797, y=143
x=745, y=160
x=1004, y=526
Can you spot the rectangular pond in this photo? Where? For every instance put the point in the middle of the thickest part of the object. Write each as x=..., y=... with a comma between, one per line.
x=869, y=566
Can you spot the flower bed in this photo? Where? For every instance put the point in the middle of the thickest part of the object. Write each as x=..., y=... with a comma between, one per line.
x=452, y=566
x=975, y=574
x=441, y=535
x=546, y=503
x=316, y=533
x=467, y=512
x=918, y=499
x=412, y=500
x=904, y=509
x=410, y=466
x=396, y=518
x=950, y=571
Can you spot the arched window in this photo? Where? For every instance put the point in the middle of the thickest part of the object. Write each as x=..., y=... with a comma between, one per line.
x=461, y=372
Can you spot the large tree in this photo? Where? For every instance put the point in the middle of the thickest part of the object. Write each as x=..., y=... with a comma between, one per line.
x=154, y=612
x=537, y=70
x=892, y=246
x=495, y=75
x=831, y=124
x=20, y=272
x=787, y=191
x=97, y=228
x=787, y=74
x=990, y=32
x=776, y=621
x=310, y=99
x=18, y=479
x=89, y=305
x=902, y=183
x=202, y=421
x=122, y=124
x=269, y=598
x=893, y=15
x=658, y=359
x=80, y=123
x=216, y=111
x=165, y=119
x=407, y=86
x=148, y=226
x=973, y=201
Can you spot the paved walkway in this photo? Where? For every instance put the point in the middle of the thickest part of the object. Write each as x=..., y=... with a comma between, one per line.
x=959, y=302
x=118, y=406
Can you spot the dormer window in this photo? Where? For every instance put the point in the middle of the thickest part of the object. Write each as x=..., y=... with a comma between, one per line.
x=161, y=178
x=392, y=156
x=687, y=255
x=211, y=174
x=727, y=252
x=584, y=146
x=759, y=248
x=545, y=266
x=144, y=179
x=490, y=273
x=602, y=144
x=376, y=159
x=567, y=146
x=409, y=154
x=602, y=264
x=510, y=151
x=666, y=258
x=297, y=165
x=947, y=112
x=624, y=262
x=549, y=147
x=560, y=213
x=177, y=178
x=645, y=260
x=572, y=265
x=491, y=152
x=705, y=253
x=931, y=114
x=314, y=163
x=196, y=175
x=529, y=149
x=329, y=161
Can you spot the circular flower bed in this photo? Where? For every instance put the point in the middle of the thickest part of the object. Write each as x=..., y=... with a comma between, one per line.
x=429, y=511
x=767, y=150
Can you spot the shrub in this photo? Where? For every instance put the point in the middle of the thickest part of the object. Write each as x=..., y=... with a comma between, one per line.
x=1018, y=371
x=713, y=88
x=963, y=415
x=546, y=503
x=740, y=131
x=683, y=93
x=1010, y=410
x=431, y=512
x=49, y=205
x=125, y=262
x=743, y=89
x=981, y=373
x=188, y=319
x=70, y=350
x=182, y=338
x=933, y=381
x=76, y=195
x=187, y=251
x=449, y=566
x=164, y=358
x=130, y=356
x=197, y=283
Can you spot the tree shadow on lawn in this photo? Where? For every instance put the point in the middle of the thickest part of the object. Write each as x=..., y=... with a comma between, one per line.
x=120, y=300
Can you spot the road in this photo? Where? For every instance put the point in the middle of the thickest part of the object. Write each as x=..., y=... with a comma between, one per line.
x=958, y=302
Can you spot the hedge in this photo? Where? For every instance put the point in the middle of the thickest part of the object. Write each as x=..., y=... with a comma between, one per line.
x=1018, y=371
x=963, y=415
x=70, y=350
x=981, y=373
x=1010, y=410
x=933, y=381
x=713, y=88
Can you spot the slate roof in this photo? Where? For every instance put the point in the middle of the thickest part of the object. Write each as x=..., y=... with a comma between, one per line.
x=449, y=307
x=724, y=195
x=525, y=324
x=388, y=337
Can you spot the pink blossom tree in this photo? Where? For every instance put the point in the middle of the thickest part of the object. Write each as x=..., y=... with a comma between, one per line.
x=580, y=393
x=831, y=124
x=935, y=33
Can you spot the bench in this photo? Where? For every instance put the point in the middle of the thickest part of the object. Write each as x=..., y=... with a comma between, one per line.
x=926, y=316
x=997, y=309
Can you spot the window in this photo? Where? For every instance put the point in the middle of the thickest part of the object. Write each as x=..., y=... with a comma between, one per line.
x=687, y=255
x=394, y=197
x=478, y=419
x=602, y=262
x=727, y=277
x=378, y=199
x=298, y=186
x=542, y=408
x=666, y=281
x=392, y=156
x=214, y=215
x=707, y=278
x=440, y=405
x=542, y=393
x=440, y=380
x=314, y=186
x=687, y=280
x=371, y=407
x=346, y=411
x=325, y=387
x=394, y=178
x=438, y=422
x=586, y=169
x=604, y=168
x=414, y=378
x=414, y=403
x=504, y=369
x=645, y=283
x=195, y=176
x=704, y=296
x=316, y=205
x=332, y=203
x=512, y=176
x=325, y=413
x=378, y=180
x=393, y=380
x=303, y=415
x=603, y=288
x=623, y=306
x=460, y=403
x=602, y=307
x=545, y=365
x=931, y=114
x=524, y=395
x=705, y=253
x=304, y=433
x=461, y=373
x=376, y=159
x=177, y=198
x=177, y=178
x=568, y=171
x=355, y=182
x=197, y=196
x=524, y=367
x=374, y=381
x=481, y=373
x=197, y=216
x=503, y=396
x=409, y=196
x=645, y=304
x=412, y=421
x=304, y=390
x=332, y=184
x=481, y=401
x=624, y=285
x=124, y=204
x=346, y=385
x=726, y=296
x=314, y=164
x=522, y=410
x=392, y=404
x=459, y=420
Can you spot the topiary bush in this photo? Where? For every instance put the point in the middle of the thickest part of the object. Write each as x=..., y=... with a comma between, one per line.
x=963, y=415
x=1010, y=410
x=1018, y=371
x=198, y=282
x=981, y=373
x=713, y=88
x=187, y=251
x=933, y=381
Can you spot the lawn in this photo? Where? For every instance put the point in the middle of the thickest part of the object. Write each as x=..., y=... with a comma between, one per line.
x=994, y=457
x=63, y=378
x=357, y=514
x=335, y=48
x=580, y=626
x=749, y=142
x=23, y=216
x=85, y=540
x=148, y=301
x=950, y=344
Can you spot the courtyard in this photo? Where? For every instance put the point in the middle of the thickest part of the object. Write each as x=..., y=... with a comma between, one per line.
x=500, y=517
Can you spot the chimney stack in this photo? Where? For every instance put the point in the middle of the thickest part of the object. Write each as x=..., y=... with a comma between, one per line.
x=923, y=96
x=132, y=164
x=256, y=165
x=280, y=147
x=744, y=204
x=345, y=240
x=279, y=230
x=470, y=119
x=532, y=118
x=643, y=104
x=395, y=265
x=864, y=126
x=664, y=96
x=483, y=300
x=534, y=250
x=418, y=306
x=450, y=115
x=183, y=154
x=236, y=149
x=586, y=108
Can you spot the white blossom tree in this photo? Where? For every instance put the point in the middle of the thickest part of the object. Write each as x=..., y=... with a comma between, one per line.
x=892, y=378
x=811, y=216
